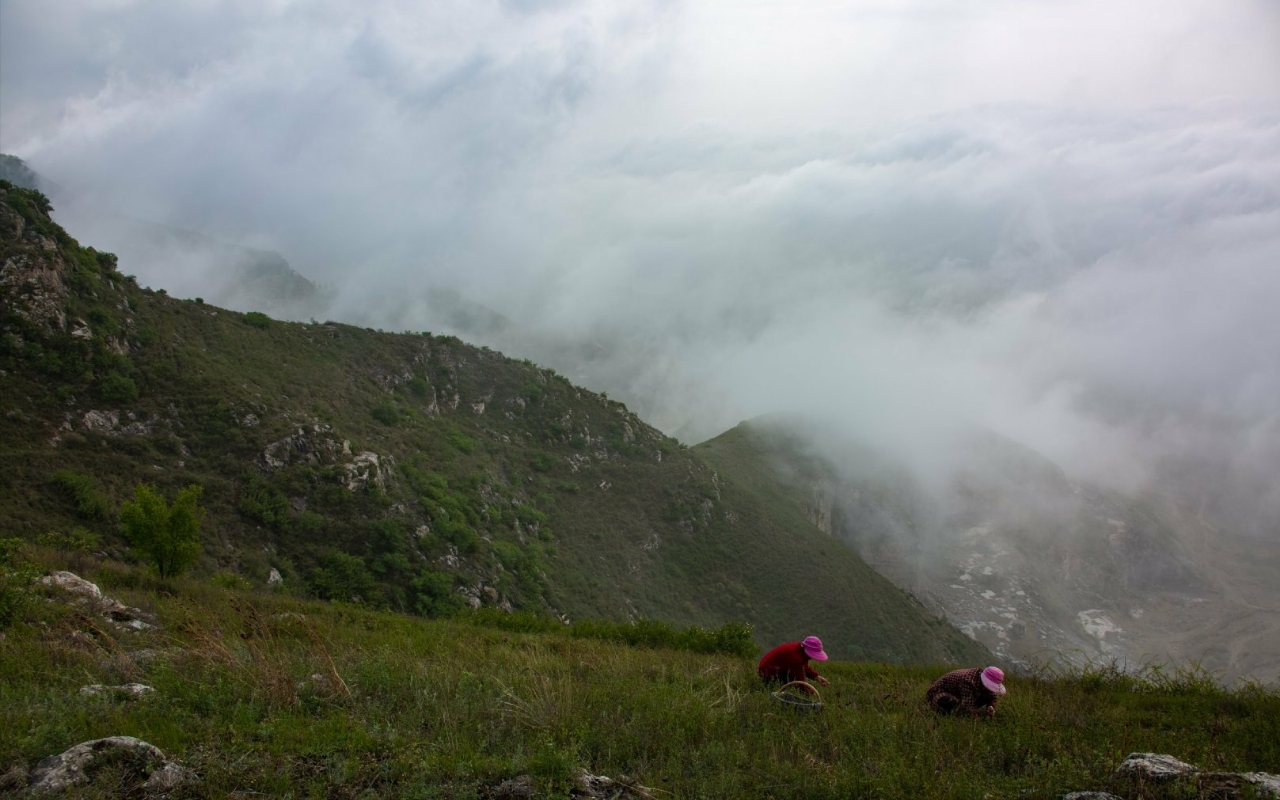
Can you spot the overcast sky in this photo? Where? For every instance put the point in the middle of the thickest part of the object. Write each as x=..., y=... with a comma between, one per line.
x=1060, y=220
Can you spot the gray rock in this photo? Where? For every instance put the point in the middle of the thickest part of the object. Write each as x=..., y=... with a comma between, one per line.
x=73, y=583
x=1264, y=784
x=71, y=768
x=90, y=595
x=170, y=776
x=517, y=788
x=130, y=689
x=1090, y=796
x=1230, y=785
x=602, y=787
x=1153, y=767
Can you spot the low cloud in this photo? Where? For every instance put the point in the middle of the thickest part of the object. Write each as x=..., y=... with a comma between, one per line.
x=1058, y=222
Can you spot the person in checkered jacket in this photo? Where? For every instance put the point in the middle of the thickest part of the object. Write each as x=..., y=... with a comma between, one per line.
x=967, y=691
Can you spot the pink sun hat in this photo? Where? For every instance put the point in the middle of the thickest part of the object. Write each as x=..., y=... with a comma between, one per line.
x=993, y=679
x=813, y=648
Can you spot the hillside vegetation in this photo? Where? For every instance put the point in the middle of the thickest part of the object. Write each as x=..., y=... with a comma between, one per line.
x=262, y=694
x=407, y=471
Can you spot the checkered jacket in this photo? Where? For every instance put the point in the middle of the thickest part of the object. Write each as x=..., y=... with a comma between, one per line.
x=959, y=692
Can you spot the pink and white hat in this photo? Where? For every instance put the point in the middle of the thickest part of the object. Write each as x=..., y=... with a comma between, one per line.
x=813, y=648
x=993, y=679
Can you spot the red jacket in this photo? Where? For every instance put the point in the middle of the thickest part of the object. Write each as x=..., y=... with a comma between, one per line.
x=786, y=662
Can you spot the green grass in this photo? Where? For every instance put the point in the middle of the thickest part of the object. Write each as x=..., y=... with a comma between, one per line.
x=284, y=697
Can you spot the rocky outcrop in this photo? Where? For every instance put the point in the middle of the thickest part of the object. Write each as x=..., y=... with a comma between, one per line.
x=88, y=594
x=367, y=469
x=75, y=766
x=308, y=444
x=32, y=280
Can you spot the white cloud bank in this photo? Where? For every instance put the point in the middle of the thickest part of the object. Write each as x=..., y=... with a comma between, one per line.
x=1057, y=220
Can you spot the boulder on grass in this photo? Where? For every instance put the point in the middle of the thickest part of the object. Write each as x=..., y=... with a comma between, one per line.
x=1153, y=767
x=75, y=766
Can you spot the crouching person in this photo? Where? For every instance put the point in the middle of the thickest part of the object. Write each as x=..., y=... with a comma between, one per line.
x=790, y=662
x=967, y=691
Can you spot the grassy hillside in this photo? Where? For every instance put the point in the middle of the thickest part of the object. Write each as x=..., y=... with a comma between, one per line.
x=403, y=471
x=262, y=694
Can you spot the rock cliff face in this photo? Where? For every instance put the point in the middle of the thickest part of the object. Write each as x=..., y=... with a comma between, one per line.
x=33, y=274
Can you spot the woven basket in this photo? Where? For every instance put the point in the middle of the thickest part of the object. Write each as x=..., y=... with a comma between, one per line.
x=798, y=695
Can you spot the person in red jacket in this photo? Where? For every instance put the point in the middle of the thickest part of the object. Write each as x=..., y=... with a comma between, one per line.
x=790, y=662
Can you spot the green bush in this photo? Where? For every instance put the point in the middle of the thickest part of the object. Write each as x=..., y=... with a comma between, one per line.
x=257, y=320
x=168, y=536
x=419, y=386
x=463, y=442
x=434, y=595
x=341, y=576
x=118, y=389
x=230, y=580
x=79, y=540
x=262, y=502
x=386, y=414
x=91, y=504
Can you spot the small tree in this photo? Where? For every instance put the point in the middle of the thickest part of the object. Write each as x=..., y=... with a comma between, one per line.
x=169, y=536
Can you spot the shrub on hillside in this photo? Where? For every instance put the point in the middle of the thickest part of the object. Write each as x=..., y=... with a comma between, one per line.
x=434, y=595
x=419, y=386
x=78, y=541
x=91, y=504
x=168, y=536
x=463, y=442
x=257, y=320
x=341, y=576
x=118, y=389
x=262, y=502
x=386, y=414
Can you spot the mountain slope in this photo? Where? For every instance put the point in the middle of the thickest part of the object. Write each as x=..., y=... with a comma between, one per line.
x=407, y=471
x=1034, y=565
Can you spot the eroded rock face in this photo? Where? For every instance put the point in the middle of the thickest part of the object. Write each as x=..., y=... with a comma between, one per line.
x=310, y=444
x=74, y=767
x=367, y=468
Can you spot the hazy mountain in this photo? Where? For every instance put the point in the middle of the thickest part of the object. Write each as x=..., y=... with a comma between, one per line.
x=408, y=471
x=1035, y=565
